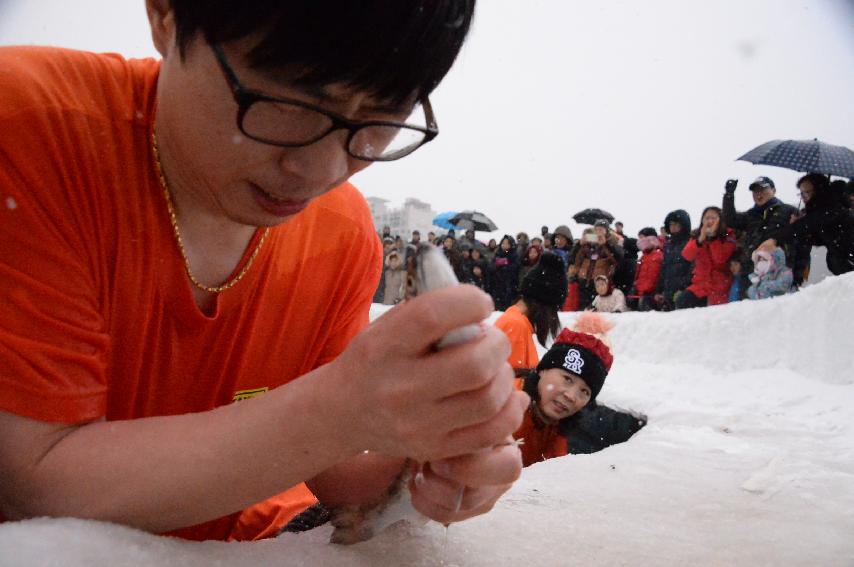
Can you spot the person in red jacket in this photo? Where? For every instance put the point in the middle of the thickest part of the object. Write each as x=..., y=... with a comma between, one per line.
x=710, y=248
x=649, y=268
x=567, y=379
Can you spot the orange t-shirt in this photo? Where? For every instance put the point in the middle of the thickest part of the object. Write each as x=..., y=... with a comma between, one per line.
x=519, y=330
x=97, y=317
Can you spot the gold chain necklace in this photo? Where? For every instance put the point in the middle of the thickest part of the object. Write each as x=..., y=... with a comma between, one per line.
x=210, y=289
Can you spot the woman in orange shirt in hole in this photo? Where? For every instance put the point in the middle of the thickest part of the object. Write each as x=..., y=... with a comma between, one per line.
x=542, y=291
x=568, y=379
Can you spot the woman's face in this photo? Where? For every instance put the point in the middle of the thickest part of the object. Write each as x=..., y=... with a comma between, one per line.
x=807, y=190
x=562, y=393
x=560, y=240
x=533, y=254
x=601, y=231
x=476, y=255
x=505, y=245
x=711, y=221
x=601, y=287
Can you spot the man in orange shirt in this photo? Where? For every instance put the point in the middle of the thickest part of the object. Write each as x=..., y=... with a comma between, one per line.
x=186, y=274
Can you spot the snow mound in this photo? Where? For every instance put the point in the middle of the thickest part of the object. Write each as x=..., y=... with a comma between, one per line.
x=748, y=459
x=809, y=332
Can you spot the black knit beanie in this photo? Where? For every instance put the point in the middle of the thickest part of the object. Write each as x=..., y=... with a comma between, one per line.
x=546, y=282
x=578, y=353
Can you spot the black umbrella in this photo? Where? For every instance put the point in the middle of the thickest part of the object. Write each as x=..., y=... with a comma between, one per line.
x=804, y=155
x=473, y=220
x=590, y=216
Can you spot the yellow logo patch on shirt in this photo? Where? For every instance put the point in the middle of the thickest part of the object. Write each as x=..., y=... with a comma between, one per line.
x=246, y=394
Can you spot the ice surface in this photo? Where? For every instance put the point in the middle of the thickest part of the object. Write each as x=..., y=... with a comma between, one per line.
x=748, y=459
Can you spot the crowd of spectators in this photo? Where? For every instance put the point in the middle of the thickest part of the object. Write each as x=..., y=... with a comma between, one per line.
x=730, y=256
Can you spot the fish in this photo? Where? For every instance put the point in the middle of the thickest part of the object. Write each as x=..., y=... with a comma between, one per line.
x=427, y=270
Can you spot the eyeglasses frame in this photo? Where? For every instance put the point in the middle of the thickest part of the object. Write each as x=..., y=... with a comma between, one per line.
x=246, y=97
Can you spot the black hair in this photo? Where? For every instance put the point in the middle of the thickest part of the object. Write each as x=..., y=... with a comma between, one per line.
x=722, y=226
x=543, y=318
x=387, y=48
x=822, y=196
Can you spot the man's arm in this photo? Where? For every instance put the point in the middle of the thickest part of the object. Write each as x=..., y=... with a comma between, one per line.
x=387, y=393
x=732, y=218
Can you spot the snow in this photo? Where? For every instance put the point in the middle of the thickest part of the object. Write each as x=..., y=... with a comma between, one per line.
x=748, y=459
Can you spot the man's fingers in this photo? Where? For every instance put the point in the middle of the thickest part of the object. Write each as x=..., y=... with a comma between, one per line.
x=491, y=433
x=500, y=465
x=477, y=406
x=419, y=323
x=447, y=501
x=470, y=366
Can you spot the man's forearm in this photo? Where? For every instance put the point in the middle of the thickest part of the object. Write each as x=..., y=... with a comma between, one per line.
x=164, y=473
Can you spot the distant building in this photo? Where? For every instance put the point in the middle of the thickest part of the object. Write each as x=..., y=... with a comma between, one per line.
x=413, y=215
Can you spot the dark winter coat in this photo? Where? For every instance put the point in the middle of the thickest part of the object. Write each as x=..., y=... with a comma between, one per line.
x=625, y=274
x=597, y=427
x=675, y=273
x=505, y=276
x=712, y=277
x=483, y=281
x=826, y=222
x=759, y=224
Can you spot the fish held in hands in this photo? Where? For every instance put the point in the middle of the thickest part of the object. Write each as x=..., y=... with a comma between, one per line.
x=427, y=270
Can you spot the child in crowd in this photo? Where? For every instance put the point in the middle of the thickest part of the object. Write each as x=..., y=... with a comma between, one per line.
x=608, y=298
x=567, y=379
x=573, y=293
x=394, y=278
x=770, y=275
x=478, y=275
x=740, y=281
x=649, y=268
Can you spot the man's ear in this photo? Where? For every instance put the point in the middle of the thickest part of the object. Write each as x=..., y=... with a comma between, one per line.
x=162, y=21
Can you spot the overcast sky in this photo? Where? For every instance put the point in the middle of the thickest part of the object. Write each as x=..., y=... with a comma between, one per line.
x=557, y=105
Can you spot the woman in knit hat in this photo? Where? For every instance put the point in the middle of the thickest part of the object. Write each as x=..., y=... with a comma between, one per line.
x=567, y=379
x=542, y=292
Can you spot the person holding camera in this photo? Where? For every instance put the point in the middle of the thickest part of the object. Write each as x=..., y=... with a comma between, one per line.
x=598, y=255
x=710, y=248
x=767, y=216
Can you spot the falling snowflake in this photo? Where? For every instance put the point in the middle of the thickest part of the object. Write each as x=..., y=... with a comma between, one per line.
x=11, y=204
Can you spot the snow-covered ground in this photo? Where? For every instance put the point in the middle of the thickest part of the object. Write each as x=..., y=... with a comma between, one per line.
x=748, y=459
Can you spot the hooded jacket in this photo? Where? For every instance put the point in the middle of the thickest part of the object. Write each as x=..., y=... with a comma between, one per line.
x=776, y=281
x=711, y=277
x=675, y=272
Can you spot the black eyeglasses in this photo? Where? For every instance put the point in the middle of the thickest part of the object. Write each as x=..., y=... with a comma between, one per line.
x=290, y=123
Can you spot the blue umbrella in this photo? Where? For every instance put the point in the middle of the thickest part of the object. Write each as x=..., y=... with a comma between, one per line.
x=443, y=220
